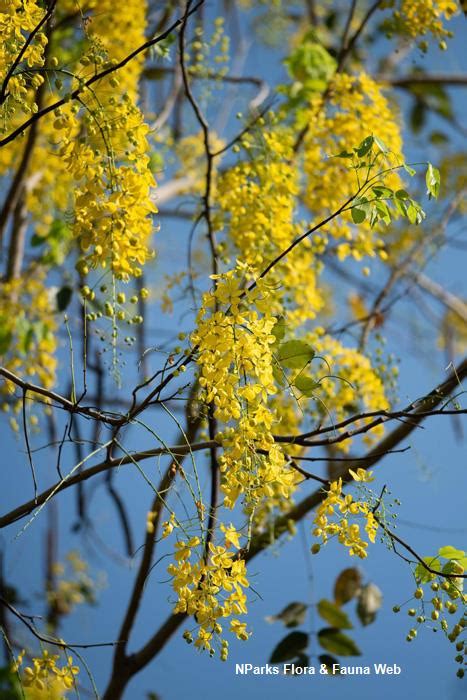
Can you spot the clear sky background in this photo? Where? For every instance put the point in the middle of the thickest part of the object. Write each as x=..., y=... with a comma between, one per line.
x=430, y=481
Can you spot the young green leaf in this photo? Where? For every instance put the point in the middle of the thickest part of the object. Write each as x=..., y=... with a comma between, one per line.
x=295, y=354
x=358, y=215
x=433, y=180
x=449, y=552
x=331, y=612
x=337, y=642
x=306, y=385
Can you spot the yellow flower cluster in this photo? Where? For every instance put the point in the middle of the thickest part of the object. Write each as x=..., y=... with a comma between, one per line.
x=73, y=587
x=234, y=354
x=356, y=108
x=113, y=206
x=416, y=18
x=211, y=588
x=96, y=150
x=257, y=200
x=355, y=386
x=203, y=52
x=333, y=517
x=27, y=330
x=45, y=680
x=17, y=19
x=99, y=150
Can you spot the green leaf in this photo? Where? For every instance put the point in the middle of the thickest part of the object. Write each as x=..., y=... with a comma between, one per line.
x=400, y=206
x=383, y=211
x=418, y=116
x=63, y=297
x=381, y=145
x=278, y=374
x=26, y=340
x=422, y=575
x=432, y=180
x=295, y=354
x=347, y=585
x=456, y=584
x=290, y=647
x=337, y=642
x=438, y=138
x=330, y=612
x=279, y=329
x=58, y=230
x=5, y=340
x=329, y=661
x=383, y=192
x=402, y=194
x=306, y=385
x=311, y=63
x=358, y=215
x=412, y=214
x=373, y=215
x=36, y=240
x=365, y=146
x=453, y=567
x=449, y=552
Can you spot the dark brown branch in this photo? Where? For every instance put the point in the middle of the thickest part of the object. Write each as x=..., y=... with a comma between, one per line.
x=68, y=405
x=158, y=641
x=392, y=535
x=47, y=639
x=349, y=45
x=407, y=81
x=114, y=462
x=201, y=119
x=419, y=410
x=345, y=37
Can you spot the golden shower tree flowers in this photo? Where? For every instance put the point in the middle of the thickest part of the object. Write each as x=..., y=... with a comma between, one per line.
x=355, y=108
x=45, y=679
x=275, y=384
x=28, y=330
x=337, y=516
x=210, y=589
x=417, y=19
x=18, y=18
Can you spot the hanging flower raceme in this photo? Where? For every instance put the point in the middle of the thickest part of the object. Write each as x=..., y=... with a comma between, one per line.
x=257, y=200
x=27, y=331
x=336, y=515
x=210, y=587
x=356, y=107
x=345, y=383
x=45, y=679
x=235, y=358
x=418, y=18
x=113, y=206
x=18, y=18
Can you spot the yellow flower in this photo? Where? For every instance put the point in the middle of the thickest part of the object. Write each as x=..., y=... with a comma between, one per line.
x=232, y=536
x=239, y=629
x=362, y=475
